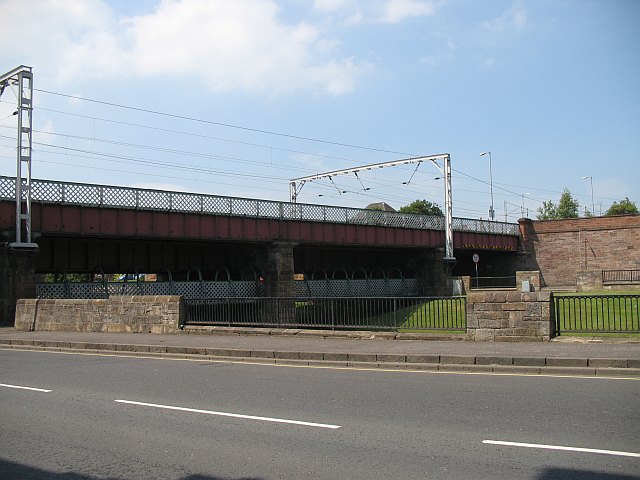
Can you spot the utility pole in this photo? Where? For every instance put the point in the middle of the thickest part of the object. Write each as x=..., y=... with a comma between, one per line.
x=22, y=78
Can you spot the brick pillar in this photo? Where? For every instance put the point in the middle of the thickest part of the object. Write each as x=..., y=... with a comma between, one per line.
x=17, y=280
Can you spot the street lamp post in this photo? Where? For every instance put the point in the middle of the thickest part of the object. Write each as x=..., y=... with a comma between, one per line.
x=523, y=204
x=593, y=205
x=492, y=213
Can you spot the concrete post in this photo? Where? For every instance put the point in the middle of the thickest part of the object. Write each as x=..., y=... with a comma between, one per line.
x=17, y=280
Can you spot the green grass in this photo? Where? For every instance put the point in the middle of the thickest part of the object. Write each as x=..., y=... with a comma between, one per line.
x=434, y=316
x=437, y=314
x=598, y=313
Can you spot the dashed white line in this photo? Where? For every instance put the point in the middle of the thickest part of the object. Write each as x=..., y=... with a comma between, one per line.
x=234, y=415
x=25, y=388
x=559, y=447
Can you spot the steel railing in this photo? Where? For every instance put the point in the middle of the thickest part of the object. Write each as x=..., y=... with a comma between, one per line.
x=48, y=191
x=620, y=276
x=616, y=313
x=384, y=313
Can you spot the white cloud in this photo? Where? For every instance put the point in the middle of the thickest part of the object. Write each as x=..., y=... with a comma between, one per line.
x=228, y=45
x=395, y=11
x=515, y=18
x=437, y=59
x=48, y=128
x=329, y=5
x=313, y=163
x=357, y=12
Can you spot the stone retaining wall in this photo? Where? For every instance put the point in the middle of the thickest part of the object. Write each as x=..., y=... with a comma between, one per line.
x=137, y=314
x=509, y=315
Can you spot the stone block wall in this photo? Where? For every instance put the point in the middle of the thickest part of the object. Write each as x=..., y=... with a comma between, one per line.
x=589, y=280
x=137, y=314
x=562, y=248
x=509, y=315
x=532, y=277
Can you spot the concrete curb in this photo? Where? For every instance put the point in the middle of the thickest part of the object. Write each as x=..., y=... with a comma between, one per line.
x=301, y=332
x=558, y=366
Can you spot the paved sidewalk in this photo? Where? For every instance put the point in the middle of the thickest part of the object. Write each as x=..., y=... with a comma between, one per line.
x=567, y=355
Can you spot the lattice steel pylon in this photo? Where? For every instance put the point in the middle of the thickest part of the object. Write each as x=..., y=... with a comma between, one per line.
x=22, y=77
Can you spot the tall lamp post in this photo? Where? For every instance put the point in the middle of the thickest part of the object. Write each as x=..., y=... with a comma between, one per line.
x=593, y=205
x=492, y=213
x=523, y=204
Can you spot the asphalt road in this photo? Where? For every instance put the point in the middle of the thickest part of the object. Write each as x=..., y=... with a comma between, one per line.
x=105, y=417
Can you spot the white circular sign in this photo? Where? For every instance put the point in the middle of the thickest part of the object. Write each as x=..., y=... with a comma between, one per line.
x=476, y=258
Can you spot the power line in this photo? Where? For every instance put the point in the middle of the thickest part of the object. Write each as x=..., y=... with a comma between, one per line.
x=220, y=124
x=191, y=134
x=143, y=161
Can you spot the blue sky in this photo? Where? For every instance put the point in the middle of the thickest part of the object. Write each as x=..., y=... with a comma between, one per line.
x=249, y=94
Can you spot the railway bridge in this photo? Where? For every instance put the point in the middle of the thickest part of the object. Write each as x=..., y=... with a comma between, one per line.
x=105, y=229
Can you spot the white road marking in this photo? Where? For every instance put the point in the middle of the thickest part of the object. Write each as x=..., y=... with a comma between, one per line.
x=25, y=388
x=559, y=447
x=234, y=415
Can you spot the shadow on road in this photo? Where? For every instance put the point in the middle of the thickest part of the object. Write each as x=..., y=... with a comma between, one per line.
x=570, y=474
x=11, y=470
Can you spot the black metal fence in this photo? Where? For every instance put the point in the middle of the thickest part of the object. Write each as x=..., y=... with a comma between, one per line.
x=616, y=313
x=620, y=276
x=382, y=313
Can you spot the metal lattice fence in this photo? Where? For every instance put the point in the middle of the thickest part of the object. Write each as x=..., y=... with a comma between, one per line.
x=48, y=191
x=187, y=289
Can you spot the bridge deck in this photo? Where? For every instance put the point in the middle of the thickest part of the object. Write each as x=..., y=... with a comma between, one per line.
x=126, y=198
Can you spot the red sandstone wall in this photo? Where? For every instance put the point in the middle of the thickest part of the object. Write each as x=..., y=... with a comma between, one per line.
x=561, y=248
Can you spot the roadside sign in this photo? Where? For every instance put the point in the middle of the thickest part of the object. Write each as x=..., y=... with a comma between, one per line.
x=476, y=258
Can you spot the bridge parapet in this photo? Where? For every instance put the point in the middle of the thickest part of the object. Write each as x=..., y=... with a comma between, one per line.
x=106, y=196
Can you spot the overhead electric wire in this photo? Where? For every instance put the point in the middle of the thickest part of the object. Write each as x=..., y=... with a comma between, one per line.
x=221, y=124
x=498, y=186
x=154, y=112
x=197, y=135
x=168, y=150
x=149, y=174
x=143, y=161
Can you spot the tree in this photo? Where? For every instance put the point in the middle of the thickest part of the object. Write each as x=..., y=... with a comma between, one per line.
x=624, y=207
x=423, y=207
x=548, y=211
x=566, y=208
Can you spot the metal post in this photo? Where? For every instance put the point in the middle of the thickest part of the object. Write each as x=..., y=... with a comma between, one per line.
x=22, y=78
x=292, y=192
x=492, y=213
x=448, y=212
